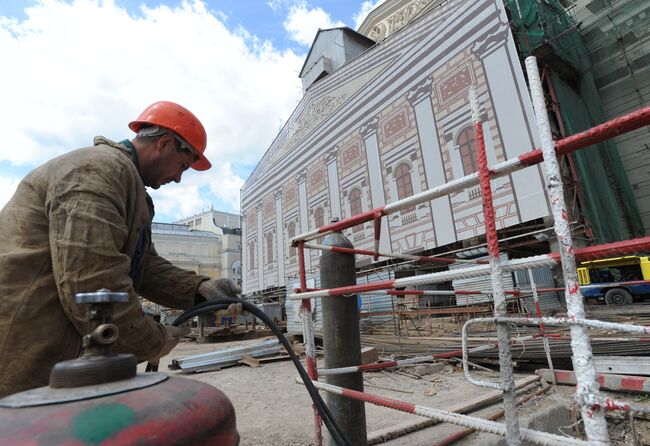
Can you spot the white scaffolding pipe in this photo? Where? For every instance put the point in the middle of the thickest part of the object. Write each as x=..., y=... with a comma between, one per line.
x=594, y=418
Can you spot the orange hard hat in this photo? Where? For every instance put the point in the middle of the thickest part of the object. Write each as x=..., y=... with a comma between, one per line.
x=182, y=122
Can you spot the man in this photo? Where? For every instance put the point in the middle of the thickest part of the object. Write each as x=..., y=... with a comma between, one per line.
x=82, y=222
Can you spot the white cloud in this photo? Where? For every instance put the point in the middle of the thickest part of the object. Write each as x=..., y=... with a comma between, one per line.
x=303, y=22
x=74, y=69
x=7, y=189
x=365, y=9
x=191, y=194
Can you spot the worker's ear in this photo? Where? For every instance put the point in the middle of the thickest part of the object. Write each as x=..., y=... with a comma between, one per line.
x=165, y=142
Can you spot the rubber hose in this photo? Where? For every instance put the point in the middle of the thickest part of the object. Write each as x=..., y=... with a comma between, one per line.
x=223, y=303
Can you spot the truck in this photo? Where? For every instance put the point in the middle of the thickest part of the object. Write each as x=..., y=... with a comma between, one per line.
x=615, y=280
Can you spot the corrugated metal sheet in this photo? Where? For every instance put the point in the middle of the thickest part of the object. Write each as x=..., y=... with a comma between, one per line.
x=478, y=284
x=375, y=303
x=544, y=278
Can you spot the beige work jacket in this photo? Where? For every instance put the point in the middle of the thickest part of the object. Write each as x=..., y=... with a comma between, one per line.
x=79, y=223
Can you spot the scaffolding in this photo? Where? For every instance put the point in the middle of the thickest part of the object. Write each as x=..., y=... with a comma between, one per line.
x=593, y=404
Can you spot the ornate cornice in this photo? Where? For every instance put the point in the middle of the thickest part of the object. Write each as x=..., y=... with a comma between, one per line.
x=332, y=154
x=421, y=91
x=301, y=177
x=369, y=127
x=491, y=41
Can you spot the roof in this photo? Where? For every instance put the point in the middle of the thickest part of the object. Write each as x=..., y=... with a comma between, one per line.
x=346, y=30
x=176, y=229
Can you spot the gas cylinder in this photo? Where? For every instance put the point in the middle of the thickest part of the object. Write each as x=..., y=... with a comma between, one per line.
x=99, y=398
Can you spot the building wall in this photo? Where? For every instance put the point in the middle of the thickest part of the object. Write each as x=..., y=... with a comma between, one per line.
x=227, y=227
x=196, y=251
x=390, y=122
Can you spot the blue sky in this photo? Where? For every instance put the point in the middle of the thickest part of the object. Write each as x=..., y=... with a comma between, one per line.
x=81, y=68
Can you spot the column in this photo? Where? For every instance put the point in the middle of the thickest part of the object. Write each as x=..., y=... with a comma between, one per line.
x=434, y=168
x=369, y=134
x=260, y=248
x=304, y=217
x=333, y=183
x=512, y=107
x=244, y=254
x=279, y=232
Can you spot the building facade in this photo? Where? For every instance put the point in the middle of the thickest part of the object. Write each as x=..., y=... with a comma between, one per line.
x=393, y=121
x=226, y=226
x=197, y=251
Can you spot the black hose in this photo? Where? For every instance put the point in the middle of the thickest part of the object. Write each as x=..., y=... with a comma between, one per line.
x=319, y=404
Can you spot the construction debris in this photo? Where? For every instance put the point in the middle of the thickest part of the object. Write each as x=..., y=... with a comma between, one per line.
x=227, y=357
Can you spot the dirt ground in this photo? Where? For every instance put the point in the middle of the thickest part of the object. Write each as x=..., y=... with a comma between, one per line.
x=272, y=409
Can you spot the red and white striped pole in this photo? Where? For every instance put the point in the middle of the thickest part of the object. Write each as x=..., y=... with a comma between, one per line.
x=513, y=435
x=308, y=337
x=480, y=424
x=540, y=261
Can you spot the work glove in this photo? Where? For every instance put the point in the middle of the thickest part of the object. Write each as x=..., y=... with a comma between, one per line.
x=216, y=288
x=219, y=288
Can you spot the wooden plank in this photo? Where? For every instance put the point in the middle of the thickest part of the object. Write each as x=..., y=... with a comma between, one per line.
x=266, y=359
x=391, y=432
x=250, y=361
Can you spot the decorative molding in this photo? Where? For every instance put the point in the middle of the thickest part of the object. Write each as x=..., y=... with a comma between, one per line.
x=277, y=193
x=315, y=113
x=369, y=127
x=455, y=84
x=395, y=125
x=398, y=20
x=332, y=154
x=420, y=92
x=301, y=177
x=491, y=41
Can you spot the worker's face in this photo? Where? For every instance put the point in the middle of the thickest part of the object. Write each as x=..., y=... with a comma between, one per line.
x=172, y=162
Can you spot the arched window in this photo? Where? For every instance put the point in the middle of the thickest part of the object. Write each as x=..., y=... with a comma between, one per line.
x=355, y=206
x=467, y=149
x=291, y=232
x=319, y=219
x=269, y=247
x=251, y=256
x=403, y=183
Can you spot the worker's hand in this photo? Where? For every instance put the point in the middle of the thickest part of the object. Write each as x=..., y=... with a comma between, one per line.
x=233, y=310
x=216, y=288
x=172, y=336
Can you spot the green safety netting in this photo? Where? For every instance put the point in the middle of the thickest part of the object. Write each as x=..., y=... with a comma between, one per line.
x=544, y=28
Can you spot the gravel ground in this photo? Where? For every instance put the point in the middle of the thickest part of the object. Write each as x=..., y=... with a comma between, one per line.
x=272, y=409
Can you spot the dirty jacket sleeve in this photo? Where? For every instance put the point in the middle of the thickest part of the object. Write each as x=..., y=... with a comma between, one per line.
x=168, y=285
x=90, y=208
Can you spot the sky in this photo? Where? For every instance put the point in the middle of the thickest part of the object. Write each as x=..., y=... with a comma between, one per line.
x=74, y=69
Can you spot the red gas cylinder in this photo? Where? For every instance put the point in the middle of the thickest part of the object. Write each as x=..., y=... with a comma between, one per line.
x=86, y=405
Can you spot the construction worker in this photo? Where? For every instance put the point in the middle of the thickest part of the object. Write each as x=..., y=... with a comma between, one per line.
x=82, y=222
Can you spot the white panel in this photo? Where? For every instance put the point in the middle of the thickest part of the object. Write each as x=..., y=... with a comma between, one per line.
x=333, y=184
x=304, y=220
x=377, y=187
x=260, y=250
x=514, y=132
x=443, y=219
x=244, y=257
x=280, y=240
